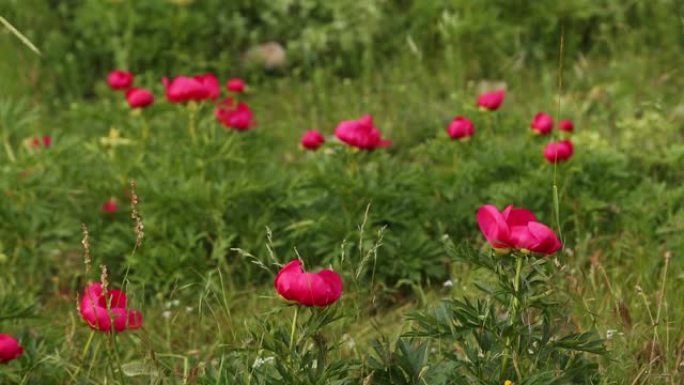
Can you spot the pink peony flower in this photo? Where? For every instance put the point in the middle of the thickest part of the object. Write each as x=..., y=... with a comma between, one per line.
x=309, y=289
x=557, y=152
x=566, y=125
x=360, y=133
x=491, y=100
x=110, y=206
x=461, y=128
x=198, y=88
x=139, y=98
x=312, y=139
x=516, y=228
x=9, y=348
x=107, y=311
x=542, y=124
x=236, y=85
x=232, y=115
x=119, y=80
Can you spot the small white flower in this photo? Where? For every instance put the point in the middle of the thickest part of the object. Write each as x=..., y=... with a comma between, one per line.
x=166, y=314
x=188, y=309
x=610, y=333
x=448, y=283
x=175, y=302
x=261, y=361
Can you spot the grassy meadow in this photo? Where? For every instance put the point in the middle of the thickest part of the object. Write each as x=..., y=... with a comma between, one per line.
x=202, y=225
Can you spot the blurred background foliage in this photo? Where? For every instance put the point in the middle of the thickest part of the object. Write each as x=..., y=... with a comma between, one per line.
x=82, y=39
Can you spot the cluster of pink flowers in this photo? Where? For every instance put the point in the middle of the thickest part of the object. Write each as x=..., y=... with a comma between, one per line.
x=554, y=152
x=183, y=89
x=461, y=128
x=119, y=80
x=360, y=133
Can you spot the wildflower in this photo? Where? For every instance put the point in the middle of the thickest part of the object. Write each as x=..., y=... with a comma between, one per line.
x=542, y=124
x=361, y=134
x=198, y=88
x=461, y=128
x=556, y=152
x=114, y=139
x=234, y=115
x=312, y=139
x=516, y=228
x=119, y=80
x=139, y=98
x=9, y=348
x=37, y=142
x=107, y=310
x=491, y=101
x=236, y=85
x=309, y=289
x=566, y=125
x=110, y=206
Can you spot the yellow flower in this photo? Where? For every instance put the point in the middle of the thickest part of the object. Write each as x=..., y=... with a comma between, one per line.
x=508, y=382
x=114, y=139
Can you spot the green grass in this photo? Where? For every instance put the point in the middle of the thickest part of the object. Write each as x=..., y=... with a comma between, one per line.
x=620, y=201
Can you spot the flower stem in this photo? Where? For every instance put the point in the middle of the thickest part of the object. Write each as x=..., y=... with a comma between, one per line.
x=191, y=122
x=8, y=148
x=294, y=327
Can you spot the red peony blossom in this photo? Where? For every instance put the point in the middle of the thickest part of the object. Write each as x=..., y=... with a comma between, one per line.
x=232, y=115
x=312, y=139
x=110, y=206
x=139, y=98
x=566, y=125
x=107, y=311
x=461, y=128
x=120, y=80
x=557, y=152
x=360, y=133
x=516, y=228
x=309, y=289
x=542, y=124
x=38, y=142
x=491, y=100
x=198, y=88
x=236, y=85
x=9, y=348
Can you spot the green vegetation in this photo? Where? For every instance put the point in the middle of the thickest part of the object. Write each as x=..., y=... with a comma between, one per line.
x=220, y=215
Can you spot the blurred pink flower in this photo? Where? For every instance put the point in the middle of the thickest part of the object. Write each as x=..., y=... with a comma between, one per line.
x=542, y=124
x=139, y=98
x=360, y=133
x=491, y=100
x=234, y=115
x=312, y=139
x=9, y=348
x=120, y=80
x=461, y=128
x=557, y=152
x=515, y=228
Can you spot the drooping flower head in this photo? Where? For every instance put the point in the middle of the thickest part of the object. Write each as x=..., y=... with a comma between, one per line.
x=516, y=228
x=139, y=98
x=236, y=85
x=566, y=125
x=557, y=152
x=309, y=289
x=9, y=348
x=542, y=124
x=120, y=80
x=461, y=128
x=234, y=115
x=312, y=140
x=361, y=134
x=491, y=101
x=108, y=311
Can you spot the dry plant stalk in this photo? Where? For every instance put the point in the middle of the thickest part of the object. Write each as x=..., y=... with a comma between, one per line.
x=86, y=249
x=139, y=228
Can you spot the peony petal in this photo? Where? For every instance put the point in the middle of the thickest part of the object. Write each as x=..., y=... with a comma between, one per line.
x=493, y=226
x=547, y=241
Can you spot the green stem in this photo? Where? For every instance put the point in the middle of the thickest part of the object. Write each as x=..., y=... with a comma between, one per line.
x=516, y=287
x=294, y=327
x=8, y=148
x=191, y=123
x=117, y=357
